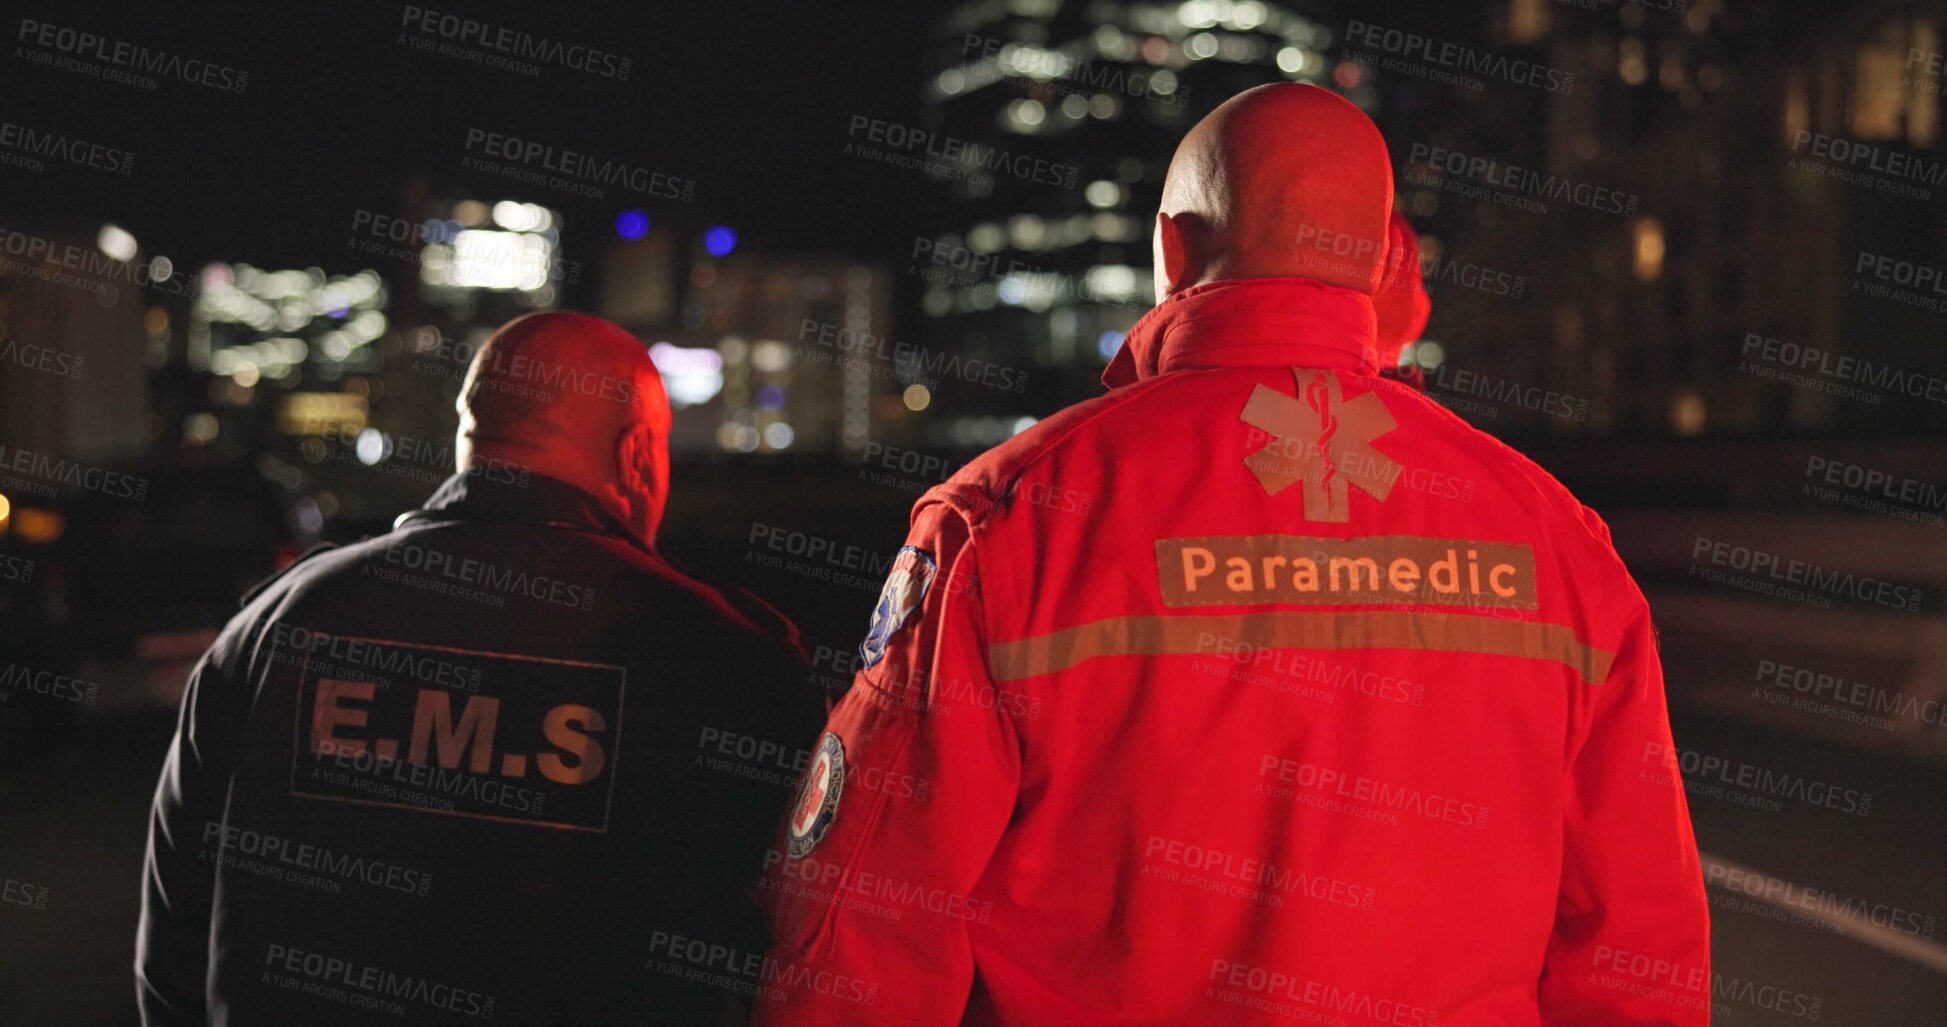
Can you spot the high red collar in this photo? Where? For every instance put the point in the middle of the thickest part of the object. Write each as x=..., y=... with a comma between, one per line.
x=1250, y=322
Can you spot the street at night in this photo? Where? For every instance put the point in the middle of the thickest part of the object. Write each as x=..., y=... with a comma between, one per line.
x=396, y=402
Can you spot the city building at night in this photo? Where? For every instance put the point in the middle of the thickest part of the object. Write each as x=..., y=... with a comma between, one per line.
x=1050, y=126
x=764, y=352
x=1651, y=306
x=65, y=333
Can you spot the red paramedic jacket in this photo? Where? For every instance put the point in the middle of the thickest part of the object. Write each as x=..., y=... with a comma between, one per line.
x=1259, y=690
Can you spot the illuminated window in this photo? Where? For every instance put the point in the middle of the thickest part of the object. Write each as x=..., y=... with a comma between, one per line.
x=1687, y=413
x=1879, y=88
x=1922, y=101
x=1798, y=109
x=1649, y=249
x=1527, y=20
x=1632, y=64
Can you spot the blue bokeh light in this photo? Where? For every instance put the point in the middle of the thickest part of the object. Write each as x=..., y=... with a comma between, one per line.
x=631, y=224
x=720, y=240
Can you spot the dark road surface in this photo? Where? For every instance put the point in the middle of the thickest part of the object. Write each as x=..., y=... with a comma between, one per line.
x=74, y=825
x=73, y=821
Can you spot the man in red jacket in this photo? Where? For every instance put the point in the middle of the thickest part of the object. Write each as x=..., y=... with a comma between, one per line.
x=1258, y=690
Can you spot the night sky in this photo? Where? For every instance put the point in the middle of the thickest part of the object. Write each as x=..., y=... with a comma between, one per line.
x=748, y=100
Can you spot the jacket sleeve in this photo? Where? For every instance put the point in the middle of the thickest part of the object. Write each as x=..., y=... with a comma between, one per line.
x=1631, y=943
x=172, y=941
x=870, y=886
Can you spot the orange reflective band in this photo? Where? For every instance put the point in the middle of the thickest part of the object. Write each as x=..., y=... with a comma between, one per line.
x=1297, y=629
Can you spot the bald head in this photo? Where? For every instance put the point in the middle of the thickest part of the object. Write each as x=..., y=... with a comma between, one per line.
x=1282, y=180
x=575, y=398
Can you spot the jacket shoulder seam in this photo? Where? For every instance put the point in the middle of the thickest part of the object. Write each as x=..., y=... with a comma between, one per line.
x=1015, y=469
x=1533, y=471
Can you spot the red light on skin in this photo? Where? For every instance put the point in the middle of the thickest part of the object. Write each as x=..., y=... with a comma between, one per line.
x=1348, y=74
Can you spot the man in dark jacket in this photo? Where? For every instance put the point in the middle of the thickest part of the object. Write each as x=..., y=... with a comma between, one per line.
x=502, y=764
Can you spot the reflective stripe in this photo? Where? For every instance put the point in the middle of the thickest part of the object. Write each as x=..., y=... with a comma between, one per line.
x=1297, y=629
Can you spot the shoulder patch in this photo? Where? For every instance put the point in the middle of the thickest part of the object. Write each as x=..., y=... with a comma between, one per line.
x=817, y=804
x=905, y=588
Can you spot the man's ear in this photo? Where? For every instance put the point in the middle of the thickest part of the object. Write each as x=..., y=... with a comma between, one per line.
x=1172, y=257
x=628, y=462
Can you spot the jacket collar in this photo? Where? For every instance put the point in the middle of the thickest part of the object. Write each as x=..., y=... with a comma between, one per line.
x=1250, y=322
x=486, y=495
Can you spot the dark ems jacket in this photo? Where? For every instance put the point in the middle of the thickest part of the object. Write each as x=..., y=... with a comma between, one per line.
x=501, y=765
